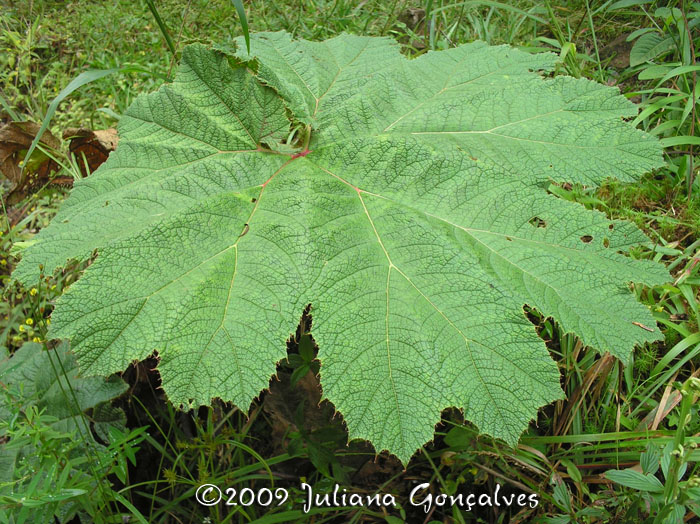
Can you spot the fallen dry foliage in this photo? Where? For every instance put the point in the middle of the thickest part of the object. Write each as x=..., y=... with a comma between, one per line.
x=90, y=147
x=15, y=139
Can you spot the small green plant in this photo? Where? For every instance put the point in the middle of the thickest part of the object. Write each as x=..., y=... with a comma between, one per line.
x=663, y=56
x=673, y=500
x=63, y=440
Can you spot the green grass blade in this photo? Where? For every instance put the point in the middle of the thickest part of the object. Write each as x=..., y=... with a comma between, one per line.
x=8, y=109
x=674, y=352
x=75, y=84
x=134, y=512
x=680, y=141
x=238, y=4
x=78, y=82
x=161, y=25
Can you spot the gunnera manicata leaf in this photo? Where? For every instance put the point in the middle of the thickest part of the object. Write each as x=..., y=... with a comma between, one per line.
x=410, y=211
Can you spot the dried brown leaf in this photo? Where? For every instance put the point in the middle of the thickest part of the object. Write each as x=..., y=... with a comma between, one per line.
x=15, y=140
x=91, y=147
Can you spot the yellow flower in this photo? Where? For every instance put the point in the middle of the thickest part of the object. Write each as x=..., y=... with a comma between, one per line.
x=21, y=328
x=48, y=321
x=53, y=288
x=33, y=292
x=36, y=339
x=29, y=321
x=3, y=262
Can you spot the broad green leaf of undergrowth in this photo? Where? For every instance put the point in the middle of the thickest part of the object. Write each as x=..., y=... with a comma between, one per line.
x=649, y=46
x=635, y=480
x=417, y=225
x=33, y=377
x=30, y=472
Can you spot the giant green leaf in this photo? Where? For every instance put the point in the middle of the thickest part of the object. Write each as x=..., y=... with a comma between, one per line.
x=417, y=225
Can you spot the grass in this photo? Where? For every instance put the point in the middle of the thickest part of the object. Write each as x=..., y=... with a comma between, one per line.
x=615, y=417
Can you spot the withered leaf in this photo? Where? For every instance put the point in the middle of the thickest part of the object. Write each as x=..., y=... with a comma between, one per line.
x=91, y=147
x=15, y=139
